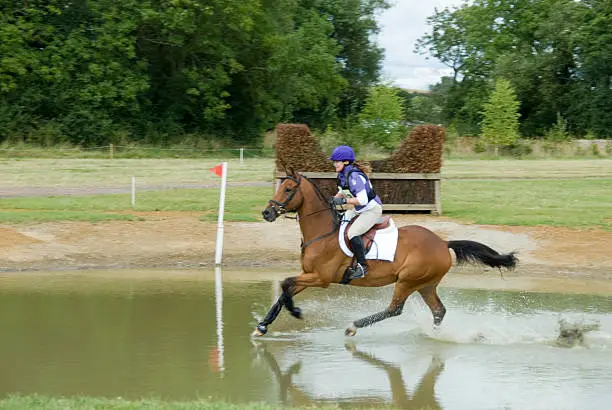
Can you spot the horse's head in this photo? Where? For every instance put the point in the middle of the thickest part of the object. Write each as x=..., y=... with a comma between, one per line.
x=286, y=199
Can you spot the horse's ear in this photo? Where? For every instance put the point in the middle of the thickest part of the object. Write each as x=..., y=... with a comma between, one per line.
x=292, y=172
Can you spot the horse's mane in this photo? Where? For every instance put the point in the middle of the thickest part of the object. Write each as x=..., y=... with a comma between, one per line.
x=335, y=214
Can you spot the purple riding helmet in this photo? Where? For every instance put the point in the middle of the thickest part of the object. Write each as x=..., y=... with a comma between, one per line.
x=343, y=153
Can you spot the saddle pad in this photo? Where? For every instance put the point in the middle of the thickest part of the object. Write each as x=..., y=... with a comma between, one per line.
x=383, y=245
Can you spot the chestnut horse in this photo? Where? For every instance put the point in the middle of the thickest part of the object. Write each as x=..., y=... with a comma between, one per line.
x=421, y=260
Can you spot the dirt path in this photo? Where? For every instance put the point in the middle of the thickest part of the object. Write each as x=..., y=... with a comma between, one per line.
x=175, y=240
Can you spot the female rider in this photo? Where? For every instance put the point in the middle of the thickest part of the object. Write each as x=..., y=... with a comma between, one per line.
x=356, y=189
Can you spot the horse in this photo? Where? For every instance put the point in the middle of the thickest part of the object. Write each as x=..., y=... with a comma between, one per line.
x=421, y=259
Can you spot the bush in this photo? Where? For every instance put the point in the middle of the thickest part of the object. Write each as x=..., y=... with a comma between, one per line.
x=558, y=132
x=520, y=148
x=480, y=146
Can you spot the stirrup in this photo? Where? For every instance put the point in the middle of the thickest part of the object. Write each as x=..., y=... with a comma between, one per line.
x=358, y=272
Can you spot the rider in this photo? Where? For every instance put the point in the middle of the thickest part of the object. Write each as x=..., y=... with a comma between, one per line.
x=356, y=189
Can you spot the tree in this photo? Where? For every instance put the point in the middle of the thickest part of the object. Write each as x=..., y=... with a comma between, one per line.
x=500, y=123
x=422, y=108
x=157, y=71
x=529, y=42
x=381, y=120
x=360, y=58
x=290, y=70
x=591, y=98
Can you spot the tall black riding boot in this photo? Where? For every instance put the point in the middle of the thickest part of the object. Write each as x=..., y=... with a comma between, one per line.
x=362, y=268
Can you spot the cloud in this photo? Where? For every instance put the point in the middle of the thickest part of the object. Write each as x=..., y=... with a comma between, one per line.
x=401, y=26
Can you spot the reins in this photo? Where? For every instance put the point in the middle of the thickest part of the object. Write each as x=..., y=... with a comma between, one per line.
x=320, y=194
x=304, y=216
x=329, y=208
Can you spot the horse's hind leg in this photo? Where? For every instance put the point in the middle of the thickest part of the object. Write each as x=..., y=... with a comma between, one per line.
x=431, y=298
x=400, y=294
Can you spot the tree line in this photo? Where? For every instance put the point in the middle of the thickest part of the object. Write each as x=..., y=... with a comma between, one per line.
x=556, y=55
x=163, y=71
x=90, y=72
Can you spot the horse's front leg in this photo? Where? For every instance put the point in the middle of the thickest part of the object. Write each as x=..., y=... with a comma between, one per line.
x=291, y=287
x=262, y=327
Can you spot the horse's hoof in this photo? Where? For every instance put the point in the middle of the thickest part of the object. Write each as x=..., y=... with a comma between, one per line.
x=260, y=330
x=350, y=331
x=296, y=313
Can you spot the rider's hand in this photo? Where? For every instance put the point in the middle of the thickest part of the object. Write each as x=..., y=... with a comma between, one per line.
x=339, y=200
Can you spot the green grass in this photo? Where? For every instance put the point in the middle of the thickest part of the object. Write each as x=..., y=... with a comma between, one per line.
x=83, y=173
x=532, y=169
x=18, y=216
x=18, y=402
x=572, y=203
x=573, y=193
x=565, y=202
x=89, y=403
x=241, y=204
x=92, y=173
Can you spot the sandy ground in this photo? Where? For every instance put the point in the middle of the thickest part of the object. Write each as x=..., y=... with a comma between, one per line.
x=180, y=240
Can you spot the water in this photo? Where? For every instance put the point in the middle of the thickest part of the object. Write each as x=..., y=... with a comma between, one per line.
x=162, y=334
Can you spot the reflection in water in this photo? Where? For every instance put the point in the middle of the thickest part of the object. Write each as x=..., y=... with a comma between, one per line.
x=424, y=394
x=219, y=316
x=284, y=379
x=182, y=335
x=423, y=397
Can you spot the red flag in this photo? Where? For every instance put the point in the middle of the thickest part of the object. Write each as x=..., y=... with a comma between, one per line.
x=213, y=359
x=217, y=170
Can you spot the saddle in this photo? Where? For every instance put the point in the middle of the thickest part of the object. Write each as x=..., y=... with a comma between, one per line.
x=367, y=237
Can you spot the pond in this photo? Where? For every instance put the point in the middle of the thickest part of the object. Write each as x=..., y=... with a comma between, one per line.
x=180, y=335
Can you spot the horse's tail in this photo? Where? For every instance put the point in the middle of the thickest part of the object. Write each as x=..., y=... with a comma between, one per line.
x=476, y=252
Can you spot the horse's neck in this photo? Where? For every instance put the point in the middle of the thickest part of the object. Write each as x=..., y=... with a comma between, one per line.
x=315, y=216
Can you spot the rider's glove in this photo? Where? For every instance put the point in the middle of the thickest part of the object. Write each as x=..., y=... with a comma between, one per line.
x=339, y=200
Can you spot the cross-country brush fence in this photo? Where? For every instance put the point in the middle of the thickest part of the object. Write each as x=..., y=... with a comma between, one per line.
x=409, y=180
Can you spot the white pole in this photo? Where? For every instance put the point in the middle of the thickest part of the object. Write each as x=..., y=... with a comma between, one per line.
x=219, y=248
x=275, y=290
x=133, y=191
x=241, y=155
x=219, y=306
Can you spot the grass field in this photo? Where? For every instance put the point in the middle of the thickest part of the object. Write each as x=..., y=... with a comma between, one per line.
x=104, y=172
x=175, y=172
x=574, y=193
x=90, y=403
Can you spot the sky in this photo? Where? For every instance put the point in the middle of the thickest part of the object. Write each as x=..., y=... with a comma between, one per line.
x=401, y=26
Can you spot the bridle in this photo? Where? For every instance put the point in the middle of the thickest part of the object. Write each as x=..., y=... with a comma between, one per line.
x=280, y=208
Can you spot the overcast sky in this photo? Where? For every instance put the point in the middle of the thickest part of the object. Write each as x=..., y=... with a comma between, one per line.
x=401, y=26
